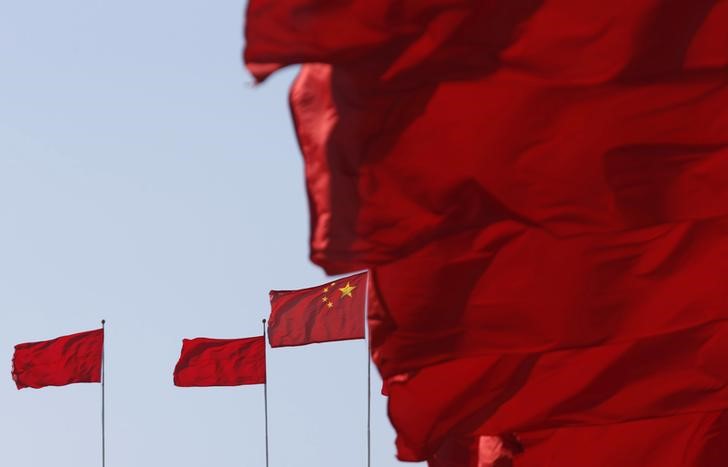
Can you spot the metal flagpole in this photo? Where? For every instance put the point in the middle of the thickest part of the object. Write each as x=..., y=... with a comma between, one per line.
x=369, y=380
x=369, y=408
x=265, y=396
x=103, y=396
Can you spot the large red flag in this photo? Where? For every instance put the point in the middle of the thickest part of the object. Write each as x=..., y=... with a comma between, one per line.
x=540, y=189
x=661, y=376
x=65, y=360
x=695, y=440
x=330, y=312
x=221, y=362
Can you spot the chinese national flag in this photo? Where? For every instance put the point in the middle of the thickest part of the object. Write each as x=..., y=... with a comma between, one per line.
x=329, y=312
x=540, y=191
x=221, y=362
x=65, y=360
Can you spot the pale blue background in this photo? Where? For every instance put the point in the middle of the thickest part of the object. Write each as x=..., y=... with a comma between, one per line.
x=145, y=181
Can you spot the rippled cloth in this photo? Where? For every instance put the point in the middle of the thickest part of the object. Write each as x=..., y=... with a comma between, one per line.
x=540, y=190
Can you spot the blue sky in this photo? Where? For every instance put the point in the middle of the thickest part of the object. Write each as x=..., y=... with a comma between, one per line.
x=144, y=180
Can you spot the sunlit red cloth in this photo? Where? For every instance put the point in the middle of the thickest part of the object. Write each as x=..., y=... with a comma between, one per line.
x=540, y=190
x=691, y=440
x=330, y=312
x=221, y=362
x=75, y=358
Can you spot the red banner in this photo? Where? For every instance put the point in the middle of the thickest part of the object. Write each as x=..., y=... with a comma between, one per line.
x=65, y=360
x=221, y=362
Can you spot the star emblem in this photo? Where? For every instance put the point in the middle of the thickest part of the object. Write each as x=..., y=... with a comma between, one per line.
x=346, y=290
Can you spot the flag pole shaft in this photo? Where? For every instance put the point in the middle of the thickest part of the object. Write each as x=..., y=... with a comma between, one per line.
x=369, y=379
x=265, y=398
x=369, y=408
x=103, y=396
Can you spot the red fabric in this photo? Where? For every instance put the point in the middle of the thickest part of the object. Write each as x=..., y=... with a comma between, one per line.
x=519, y=289
x=280, y=33
x=477, y=451
x=523, y=113
x=469, y=155
x=65, y=360
x=330, y=312
x=540, y=190
x=221, y=362
x=690, y=440
x=654, y=377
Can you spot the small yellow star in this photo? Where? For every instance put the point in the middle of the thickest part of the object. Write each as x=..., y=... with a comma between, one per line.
x=326, y=289
x=330, y=305
x=325, y=299
x=346, y=290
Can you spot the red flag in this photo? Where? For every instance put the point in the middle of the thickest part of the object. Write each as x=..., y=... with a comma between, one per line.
x=396, y=159
x=221, y=362
x=329, y=312
x=65, y=360
x=540, y=190
x=695, y=440
x=661, y=376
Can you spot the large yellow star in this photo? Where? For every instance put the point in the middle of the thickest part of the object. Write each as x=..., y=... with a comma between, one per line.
x=346, y=290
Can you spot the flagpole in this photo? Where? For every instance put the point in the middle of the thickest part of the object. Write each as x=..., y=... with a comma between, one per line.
x=369, y=408
x=103, y=396
x=265, y=397
x=369, y=379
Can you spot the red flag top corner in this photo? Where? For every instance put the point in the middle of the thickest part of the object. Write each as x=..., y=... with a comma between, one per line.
x=75, y=358
x=330, y=312
x=221, y=362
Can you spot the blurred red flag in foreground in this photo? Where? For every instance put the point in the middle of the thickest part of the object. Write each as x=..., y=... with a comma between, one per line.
x=329, y=312
x=540, y=190
x=697, y=439
x=221, y=362
x=65, y=360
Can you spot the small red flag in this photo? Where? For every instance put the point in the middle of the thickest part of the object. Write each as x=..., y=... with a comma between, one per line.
x=329, y=312
x=221, y=362
x=65, y=360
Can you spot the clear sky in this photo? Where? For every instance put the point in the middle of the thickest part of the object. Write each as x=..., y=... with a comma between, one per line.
x=145, y=181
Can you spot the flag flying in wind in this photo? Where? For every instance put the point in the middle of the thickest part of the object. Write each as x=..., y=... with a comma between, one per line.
x=221, y=362
x=540, y=191
x=698, y=439
x=65, y=360
x=330, y=312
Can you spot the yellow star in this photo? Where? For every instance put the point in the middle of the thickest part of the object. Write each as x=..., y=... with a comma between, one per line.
x=326, y=289
x=325, y=299
x=330, y=305
x=346, y=290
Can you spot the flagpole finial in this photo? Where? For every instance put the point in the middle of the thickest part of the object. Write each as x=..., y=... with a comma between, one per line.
x=103, y=321
x=264, y=320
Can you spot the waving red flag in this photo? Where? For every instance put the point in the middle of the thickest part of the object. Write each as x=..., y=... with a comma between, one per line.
x=221, y=362
x=696, y=440
x=330, y=312
x=75, y=358
x=540, y=190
